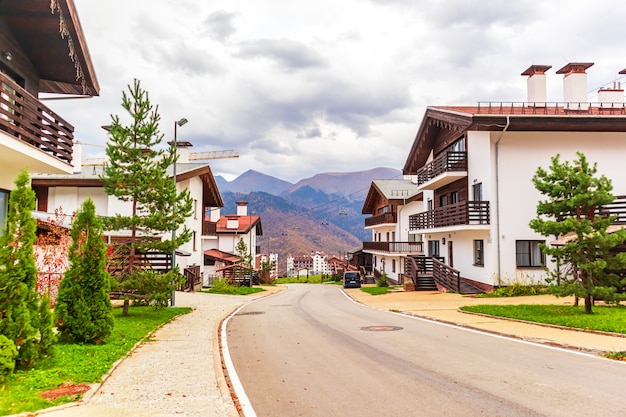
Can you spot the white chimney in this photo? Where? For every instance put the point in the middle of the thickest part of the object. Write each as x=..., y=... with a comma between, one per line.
x=77, y=157
x=182, y=150
x=213, y=214
x=575, y=85
x=242, y=208
x=536, y=84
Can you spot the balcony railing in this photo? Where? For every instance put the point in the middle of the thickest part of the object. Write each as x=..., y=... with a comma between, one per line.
x=463, y=213
x=449, y=161
x=381, y=219
x=394, y=247
x=209, y=228
x=23, y=116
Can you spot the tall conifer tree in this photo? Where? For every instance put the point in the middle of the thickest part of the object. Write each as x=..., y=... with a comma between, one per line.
x=83, y=309
x=25, y=318
x=574, y=198
x=138, y=173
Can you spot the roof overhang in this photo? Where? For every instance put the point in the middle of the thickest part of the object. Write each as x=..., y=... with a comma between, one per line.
x=50, y=35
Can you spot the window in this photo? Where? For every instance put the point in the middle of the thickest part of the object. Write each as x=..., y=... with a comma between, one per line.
x=195, y=209
x=429, y=204
x=393, y=236
x=393, y=265
x=193, y=239
x=433, y=247
x=528, y=253
x=454, y=197
x=4, y=205
x=479, y=252
x=477, y=191
x=443, y=201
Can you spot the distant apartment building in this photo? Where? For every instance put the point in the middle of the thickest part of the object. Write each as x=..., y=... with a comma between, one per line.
x=315, y=264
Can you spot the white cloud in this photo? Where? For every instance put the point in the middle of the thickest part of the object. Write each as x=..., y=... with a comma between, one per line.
x=299, y=88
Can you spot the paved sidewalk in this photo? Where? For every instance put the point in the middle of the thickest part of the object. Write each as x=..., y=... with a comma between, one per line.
x=445, y=307
x=180, y=373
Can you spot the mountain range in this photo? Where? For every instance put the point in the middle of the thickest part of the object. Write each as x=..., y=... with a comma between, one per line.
x=321, y=213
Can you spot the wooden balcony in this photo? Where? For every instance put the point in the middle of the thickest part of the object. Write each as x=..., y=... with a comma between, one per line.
x=209, y=228
x=443, y=170
x=463, y=213
x=394, y=247
x=384, y=218
x=24, y=117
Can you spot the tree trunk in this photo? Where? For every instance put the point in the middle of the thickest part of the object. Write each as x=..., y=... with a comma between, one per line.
x=588, y=304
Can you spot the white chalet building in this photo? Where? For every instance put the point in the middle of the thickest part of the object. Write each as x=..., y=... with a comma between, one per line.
x=469, y=177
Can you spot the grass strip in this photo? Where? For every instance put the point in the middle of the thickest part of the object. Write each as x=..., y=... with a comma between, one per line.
x=604, y=318
x=76, y=363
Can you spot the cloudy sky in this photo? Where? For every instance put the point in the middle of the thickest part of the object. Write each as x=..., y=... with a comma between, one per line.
x=300, y=87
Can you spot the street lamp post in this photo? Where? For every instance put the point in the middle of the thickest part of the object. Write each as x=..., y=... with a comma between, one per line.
x=176, y=124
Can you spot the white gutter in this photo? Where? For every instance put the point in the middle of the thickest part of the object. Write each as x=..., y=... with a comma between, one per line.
x=499, y=252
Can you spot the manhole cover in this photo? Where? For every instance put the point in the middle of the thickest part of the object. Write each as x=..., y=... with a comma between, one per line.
x=250, y=313
x=381, y=328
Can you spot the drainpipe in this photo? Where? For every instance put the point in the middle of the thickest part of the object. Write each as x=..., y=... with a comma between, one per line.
x=499, y=268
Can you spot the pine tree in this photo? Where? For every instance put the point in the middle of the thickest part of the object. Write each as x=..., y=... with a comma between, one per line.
x=24, y=317
x=83, y=310
x=137, y=173
x=574, y=198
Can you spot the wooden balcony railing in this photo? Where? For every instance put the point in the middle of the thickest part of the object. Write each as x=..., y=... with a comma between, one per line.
x=463, y=213
x=23, y=116
x=381, y=219
x=394, y=247
x=209, y=228
x=449, y=161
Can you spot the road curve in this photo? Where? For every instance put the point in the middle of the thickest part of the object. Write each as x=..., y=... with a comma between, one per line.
x=311, y=351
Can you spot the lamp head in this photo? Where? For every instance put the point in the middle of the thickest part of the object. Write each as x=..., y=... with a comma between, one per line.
x=182, y=121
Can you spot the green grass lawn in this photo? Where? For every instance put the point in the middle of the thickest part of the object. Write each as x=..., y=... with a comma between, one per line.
x=81, y=363
x=604, y=318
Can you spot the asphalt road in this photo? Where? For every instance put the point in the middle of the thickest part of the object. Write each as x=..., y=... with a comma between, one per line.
x=312, y=351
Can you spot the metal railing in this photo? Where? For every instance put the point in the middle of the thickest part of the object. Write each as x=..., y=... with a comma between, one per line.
x=23, y=116
x=447, y=162
x=550, y=108
x=463, y=213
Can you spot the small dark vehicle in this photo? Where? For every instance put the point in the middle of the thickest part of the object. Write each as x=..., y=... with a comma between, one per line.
x=352, y=279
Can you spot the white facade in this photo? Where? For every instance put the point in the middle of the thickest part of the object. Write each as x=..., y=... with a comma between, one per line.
x=504, y=146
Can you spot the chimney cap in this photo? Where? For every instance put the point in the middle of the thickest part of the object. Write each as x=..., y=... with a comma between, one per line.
x=575, y=67
x=242, y=203
x=180, y=144
x=536, y=69
x=623, y=71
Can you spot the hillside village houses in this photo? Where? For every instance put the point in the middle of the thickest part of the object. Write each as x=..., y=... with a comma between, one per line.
x=317, y=263
x=467, y=195
x=42, y=50
x=68, y=191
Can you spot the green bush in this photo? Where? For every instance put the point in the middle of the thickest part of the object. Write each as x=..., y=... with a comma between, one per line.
x=8, y=354
x=517, y=290
x=381, y=281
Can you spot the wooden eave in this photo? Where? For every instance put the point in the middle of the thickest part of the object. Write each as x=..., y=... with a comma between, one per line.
x=370, y=201
x=437, y=126
x=440, y=126
x=66, y=182
x=36, y=27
